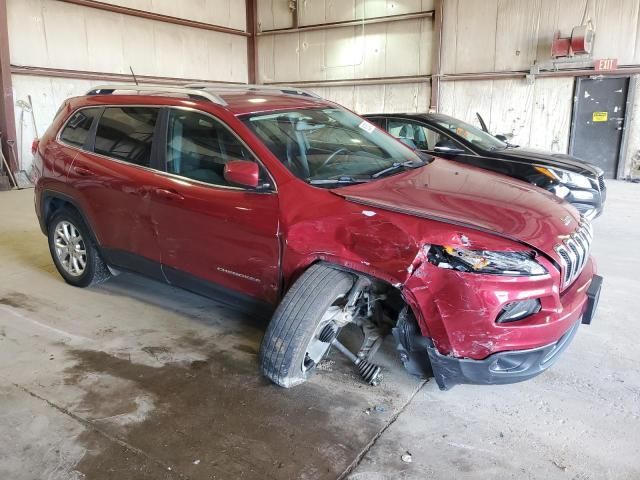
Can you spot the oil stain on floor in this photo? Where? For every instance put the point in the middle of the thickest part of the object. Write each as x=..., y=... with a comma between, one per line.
x=219, y=418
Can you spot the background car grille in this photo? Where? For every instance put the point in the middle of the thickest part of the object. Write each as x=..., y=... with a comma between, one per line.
x=574, y=252
x=601, y=183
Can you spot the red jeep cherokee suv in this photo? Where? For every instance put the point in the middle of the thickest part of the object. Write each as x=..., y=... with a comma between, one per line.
x=278, y=197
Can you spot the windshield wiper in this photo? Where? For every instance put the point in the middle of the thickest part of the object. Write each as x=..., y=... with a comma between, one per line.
x=345, y=179
x=397, y=166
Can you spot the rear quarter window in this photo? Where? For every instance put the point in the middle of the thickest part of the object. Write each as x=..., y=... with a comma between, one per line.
x=76, y=130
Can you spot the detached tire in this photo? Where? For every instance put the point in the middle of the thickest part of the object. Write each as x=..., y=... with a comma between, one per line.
x=297, y=322
x=73, y=250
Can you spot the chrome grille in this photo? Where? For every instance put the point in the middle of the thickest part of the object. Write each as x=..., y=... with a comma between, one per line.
x=601, y=183
x=574, y=252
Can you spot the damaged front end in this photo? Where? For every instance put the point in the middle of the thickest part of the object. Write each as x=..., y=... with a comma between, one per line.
x=483, y=317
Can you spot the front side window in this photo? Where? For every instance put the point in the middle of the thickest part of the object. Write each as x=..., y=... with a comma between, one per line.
x=419, y=136
x=198, y=147
x=76, y=130
x=126, y=133
x=328, y=145
x=469, y=133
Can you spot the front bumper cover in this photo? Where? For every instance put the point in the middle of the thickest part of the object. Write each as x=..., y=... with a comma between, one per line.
x=499, y=368
x=510, y=366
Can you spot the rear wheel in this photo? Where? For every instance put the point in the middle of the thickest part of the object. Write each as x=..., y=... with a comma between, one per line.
x=291, y=348
x=73, y=251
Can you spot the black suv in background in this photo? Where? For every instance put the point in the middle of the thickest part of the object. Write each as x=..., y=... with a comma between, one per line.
x=574, y=180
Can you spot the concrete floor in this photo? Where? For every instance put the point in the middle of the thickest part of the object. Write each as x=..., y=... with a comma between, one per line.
x=137, y=380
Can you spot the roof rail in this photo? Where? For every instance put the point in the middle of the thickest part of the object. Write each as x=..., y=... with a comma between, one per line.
x=171, y=89
x=289, y=90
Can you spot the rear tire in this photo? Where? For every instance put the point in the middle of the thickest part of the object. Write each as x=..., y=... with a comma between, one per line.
x=73, y=250
x=297, y=322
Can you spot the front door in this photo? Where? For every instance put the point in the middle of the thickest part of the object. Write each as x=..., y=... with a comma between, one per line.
x=212, y=233
x=598, y=121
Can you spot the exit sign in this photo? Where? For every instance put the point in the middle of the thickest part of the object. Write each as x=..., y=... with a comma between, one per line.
x=605, y=64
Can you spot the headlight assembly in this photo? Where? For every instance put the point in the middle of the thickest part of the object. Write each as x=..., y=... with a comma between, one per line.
x=566, y=178
x=486, y=262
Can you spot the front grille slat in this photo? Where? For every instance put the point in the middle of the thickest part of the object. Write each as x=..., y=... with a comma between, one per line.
x=574, y=252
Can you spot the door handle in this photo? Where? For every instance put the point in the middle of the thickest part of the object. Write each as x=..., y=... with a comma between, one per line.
x=83, y=172
x=168, y=194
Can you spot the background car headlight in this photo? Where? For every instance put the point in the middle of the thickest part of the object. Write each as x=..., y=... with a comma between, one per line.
x=570, y=179
x=483, y=261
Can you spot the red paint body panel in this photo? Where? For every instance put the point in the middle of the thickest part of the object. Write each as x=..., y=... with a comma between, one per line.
x=255, y=242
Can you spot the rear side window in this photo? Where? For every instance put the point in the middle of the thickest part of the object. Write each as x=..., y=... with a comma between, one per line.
x=126, y=133
x=77, y=128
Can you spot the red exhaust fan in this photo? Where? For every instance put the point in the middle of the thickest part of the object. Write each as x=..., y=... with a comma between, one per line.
x=579, y=43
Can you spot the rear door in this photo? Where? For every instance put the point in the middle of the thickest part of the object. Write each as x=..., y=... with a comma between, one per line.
x=113, y=181
x=212, y=233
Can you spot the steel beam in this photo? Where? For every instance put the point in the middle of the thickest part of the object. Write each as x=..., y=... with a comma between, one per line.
x=252, y=43
x=103, y=76
x=348, y=23
x=436, y=62
x=356, y=81
x=7, y=117
x=156, y=16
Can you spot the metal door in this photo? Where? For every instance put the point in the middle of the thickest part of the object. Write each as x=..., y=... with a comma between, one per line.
x=598, y=121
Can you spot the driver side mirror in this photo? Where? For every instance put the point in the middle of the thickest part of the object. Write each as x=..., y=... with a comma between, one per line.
x=445, y=150
x=242, y=172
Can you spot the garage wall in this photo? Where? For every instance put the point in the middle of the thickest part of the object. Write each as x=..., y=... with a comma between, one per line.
x=507, y=35
x=510, y=35
x=355, y=53
x=60, y=35
x=538, y=114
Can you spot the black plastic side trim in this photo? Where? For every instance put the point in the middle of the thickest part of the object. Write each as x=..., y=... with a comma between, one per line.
x=45, y=198
x=237, y=300
x=134, y=263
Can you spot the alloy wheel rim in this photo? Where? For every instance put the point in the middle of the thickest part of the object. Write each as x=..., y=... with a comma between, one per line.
x=316, y=348
x=70, y=248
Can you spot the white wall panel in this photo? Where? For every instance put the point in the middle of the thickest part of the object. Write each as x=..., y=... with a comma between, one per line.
x=53, y=34
x=632, y=163
x=372, y=51
x=47, y=94
x=226, y=13
x=551, y=116
x=537, y=115
x=397, y=98
x=488, y=35
x=274, y=14
x=322, y=11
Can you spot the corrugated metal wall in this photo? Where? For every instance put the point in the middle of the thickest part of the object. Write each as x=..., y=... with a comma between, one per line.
x=401, y=48
x=478, y=36
x=510, y=35
x=53, y=34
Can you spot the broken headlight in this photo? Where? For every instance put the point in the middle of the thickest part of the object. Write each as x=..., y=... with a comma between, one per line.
x=483, y=261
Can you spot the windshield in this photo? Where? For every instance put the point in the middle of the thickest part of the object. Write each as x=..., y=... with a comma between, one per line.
x=469, y=133
x=331, y=145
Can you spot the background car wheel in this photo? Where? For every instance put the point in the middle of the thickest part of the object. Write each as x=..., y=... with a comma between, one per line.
x=291, y=348
x=73, y=250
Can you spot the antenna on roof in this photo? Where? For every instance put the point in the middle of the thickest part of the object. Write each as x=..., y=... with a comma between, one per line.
x=134, y=75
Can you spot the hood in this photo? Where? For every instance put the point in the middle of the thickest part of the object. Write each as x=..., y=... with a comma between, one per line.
x=560, y=160
x=460, y=195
